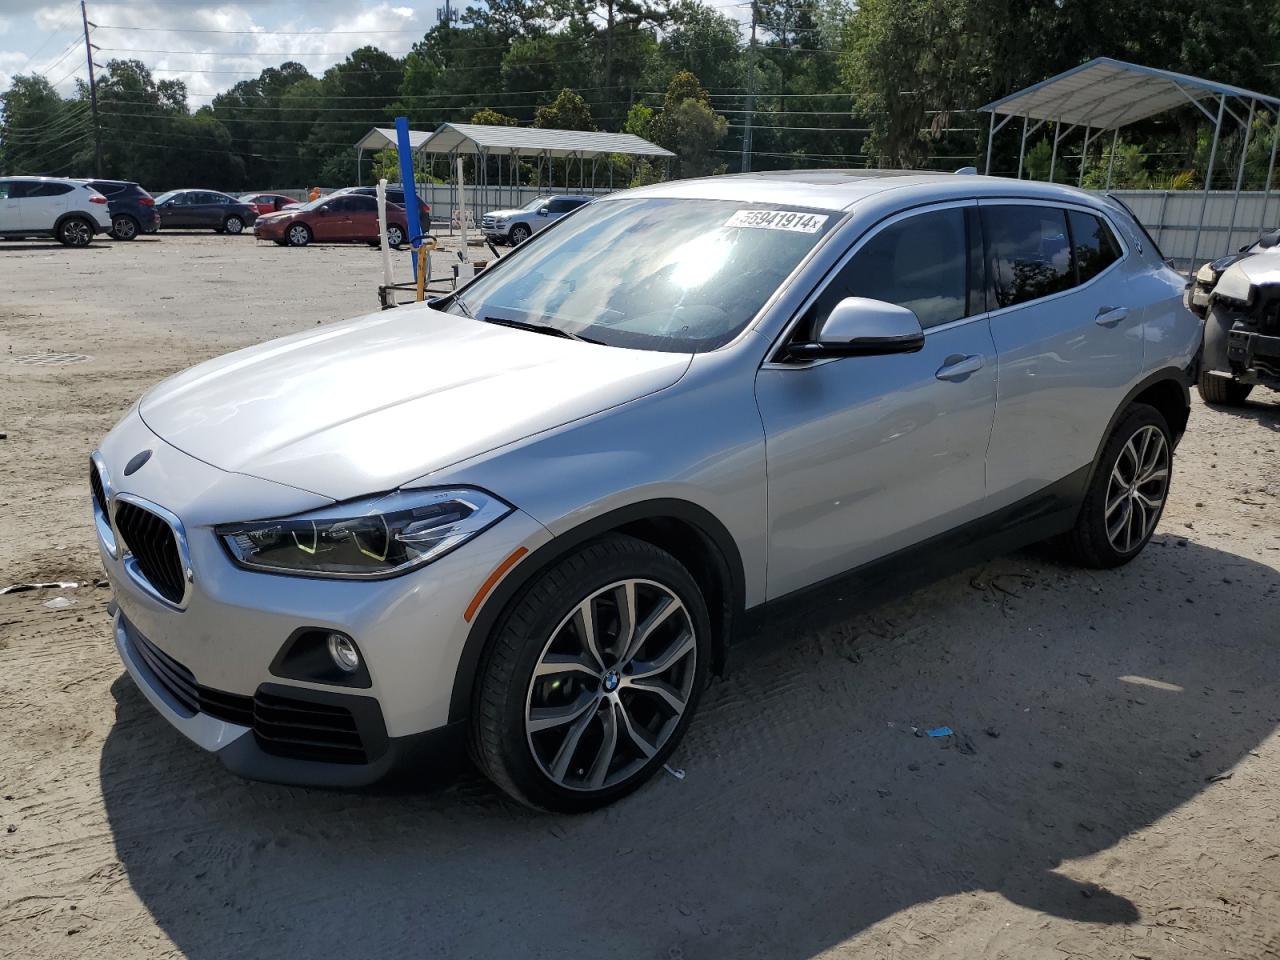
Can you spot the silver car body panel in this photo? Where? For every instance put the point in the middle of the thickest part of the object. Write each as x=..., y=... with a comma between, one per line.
x=810, y=469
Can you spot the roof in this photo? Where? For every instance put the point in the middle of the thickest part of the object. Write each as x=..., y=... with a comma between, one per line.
x=1106, y=94
x=379, y=138
x=534, y=141
x=846, y=189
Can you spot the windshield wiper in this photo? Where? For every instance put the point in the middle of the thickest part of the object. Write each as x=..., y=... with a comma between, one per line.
x=537, y=328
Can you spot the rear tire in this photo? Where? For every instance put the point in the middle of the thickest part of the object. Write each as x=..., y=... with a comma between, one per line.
x=75, y=232
x=395, y=235
x=1127, y=492
x=1222, y=391
x=619, y=709
x=124, y=227
x=233, y=225
x=298, y=235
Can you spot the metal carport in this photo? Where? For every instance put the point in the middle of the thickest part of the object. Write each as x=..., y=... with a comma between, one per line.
x=1106, y=94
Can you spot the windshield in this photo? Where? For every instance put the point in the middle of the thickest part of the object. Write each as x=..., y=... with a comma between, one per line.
x=536, y=202
x=679, y=276
x=165, y=196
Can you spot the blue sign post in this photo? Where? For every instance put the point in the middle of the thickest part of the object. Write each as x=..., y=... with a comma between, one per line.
x=416, y=232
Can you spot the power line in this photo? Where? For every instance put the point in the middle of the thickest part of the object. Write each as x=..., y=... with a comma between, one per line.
x=263, y=32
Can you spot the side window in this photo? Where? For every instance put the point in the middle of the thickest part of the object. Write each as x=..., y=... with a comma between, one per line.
x=1028, y=253
x=49, y=189
x=184, y=199
x=219, y=198
x=4, y=191
x=338, y=205
x=1095, y=246
x=920, y=263
x=359, y=202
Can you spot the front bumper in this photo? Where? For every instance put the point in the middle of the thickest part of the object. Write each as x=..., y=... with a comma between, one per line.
x=1254, y=354
x=269, y=229
x=222, y=638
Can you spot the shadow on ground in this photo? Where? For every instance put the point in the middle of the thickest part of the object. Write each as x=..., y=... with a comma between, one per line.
x=1085, y=706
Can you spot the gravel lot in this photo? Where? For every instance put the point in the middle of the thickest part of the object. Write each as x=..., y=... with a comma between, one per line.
x=1113, y=789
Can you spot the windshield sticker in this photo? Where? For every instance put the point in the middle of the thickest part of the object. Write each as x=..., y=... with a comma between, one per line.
x=793, y=220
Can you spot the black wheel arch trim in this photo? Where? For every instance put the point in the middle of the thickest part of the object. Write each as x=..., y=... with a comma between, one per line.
x=94, y=227
x=1179, y=376
x=716, y=535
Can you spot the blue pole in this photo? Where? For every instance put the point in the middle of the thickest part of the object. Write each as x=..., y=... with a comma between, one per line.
x=410, y=187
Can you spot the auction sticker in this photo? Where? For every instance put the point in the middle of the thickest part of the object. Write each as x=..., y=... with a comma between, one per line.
x=794, y=220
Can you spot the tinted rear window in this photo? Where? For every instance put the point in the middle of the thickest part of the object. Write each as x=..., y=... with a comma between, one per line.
x=1028, y=252
x=1095, y=246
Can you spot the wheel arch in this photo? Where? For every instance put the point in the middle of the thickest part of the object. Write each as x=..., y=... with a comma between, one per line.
x=1168, y=390
x=76, y=215
x=687, y=531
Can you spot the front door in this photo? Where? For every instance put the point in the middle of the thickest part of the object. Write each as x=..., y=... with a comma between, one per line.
x=1068, y=347
x=867, y=455
x=332, y=221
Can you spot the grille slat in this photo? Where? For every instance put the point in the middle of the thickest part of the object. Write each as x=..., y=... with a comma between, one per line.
x=152, y=542
x=95, y=484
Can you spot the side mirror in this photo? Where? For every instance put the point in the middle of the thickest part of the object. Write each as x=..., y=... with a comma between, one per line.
x=323, y=211
x=859, y=327
x=1269, y=240
x=543, y=211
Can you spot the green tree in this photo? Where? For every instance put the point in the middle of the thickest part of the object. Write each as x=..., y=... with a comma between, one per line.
x=568, y=111
x=492, y=118
x=39, y=131
x=689, y=127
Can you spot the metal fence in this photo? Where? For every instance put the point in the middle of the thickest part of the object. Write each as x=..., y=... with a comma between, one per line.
x=1172, y=218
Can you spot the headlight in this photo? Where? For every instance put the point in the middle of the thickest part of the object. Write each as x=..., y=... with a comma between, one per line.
x=366, y=539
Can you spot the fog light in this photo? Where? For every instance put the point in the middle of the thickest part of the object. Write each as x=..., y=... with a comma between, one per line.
x=344, y=653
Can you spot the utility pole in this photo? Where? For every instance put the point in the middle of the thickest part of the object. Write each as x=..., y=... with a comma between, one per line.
x=751, y=95
x=93, y=95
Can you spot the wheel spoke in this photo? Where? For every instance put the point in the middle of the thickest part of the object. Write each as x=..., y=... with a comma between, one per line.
x=558, y=663
x=1115, y=529
x=608, y=746
x=544, y=718
x=660, y=690
x=666, y=608
x=585, y=621
x=1116, y=501
x=569, y=746
x=641, y=742
x=680, y=647
x=625, y=598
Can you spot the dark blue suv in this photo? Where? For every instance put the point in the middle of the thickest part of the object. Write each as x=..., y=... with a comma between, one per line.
x=132, y=209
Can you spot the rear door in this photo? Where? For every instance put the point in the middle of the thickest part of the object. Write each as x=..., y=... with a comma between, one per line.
x=867, y=455
x=10, y=209
x=43, y=204
x=362, y=217
x=1067, y=335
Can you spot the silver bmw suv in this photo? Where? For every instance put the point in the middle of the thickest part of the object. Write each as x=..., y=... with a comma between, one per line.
x=532, y=516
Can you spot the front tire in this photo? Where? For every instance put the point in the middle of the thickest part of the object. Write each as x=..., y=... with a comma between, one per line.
x=75, y=232
x=1127, y=492
x=519, y=234
x=298, y=235
x=233, y=225
x=591, y=677
x=124, y=227
x=1222, y=391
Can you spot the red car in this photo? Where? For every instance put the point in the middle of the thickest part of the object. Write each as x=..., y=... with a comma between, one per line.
x=337, y=218
x=268, y=202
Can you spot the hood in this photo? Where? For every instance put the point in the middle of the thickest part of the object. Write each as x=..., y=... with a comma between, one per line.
x=502, y=214
x=367, y=405
x=278, y=214
x=1237, y=281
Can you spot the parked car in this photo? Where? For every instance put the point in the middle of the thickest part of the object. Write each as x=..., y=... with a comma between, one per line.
x=132, y=209
x=71, y=211
x=1239, y=298
x=395, y=194
x=335, y=218
x=269, y=202
x=219, y=212
x=518, y=225
x=531, y=514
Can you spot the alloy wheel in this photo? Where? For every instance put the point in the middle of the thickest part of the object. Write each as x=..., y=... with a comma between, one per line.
x=124, y=228
x=1137, y=488
x=611, y=685
x=234, y=225
x=76, y=233
x=299, y=236
x=519, y=234
x=395, y=236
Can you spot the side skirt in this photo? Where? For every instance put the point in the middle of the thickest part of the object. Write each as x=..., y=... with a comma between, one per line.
x=1047, y=513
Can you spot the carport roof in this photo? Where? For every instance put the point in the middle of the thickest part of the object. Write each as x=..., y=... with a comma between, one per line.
x=533, y=141
x=379, y=138
x=1105, y=94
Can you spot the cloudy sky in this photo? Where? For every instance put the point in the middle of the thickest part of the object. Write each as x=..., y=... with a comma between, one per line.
x=209, y=45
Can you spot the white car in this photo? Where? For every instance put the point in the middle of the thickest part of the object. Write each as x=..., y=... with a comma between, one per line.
x=518, y=225
x=70, y=211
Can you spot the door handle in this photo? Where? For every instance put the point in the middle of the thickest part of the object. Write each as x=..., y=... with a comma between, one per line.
x=958, y=366
x=1110, y=316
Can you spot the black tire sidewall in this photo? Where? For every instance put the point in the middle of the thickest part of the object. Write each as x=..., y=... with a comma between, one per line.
x=531, y=617
x=392, y=231
x=226, y=225
x=519, y=234
x=1092, y=544
x=289, y=235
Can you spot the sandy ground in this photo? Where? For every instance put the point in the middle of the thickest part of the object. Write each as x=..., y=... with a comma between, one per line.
x=1113, y=789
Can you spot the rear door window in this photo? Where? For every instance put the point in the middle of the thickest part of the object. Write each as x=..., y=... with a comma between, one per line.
x=49, y=189
x=1028, y=252
x=1095, y=246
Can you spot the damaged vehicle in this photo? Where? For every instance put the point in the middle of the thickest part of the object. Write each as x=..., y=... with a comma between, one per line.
x=1238, y=296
